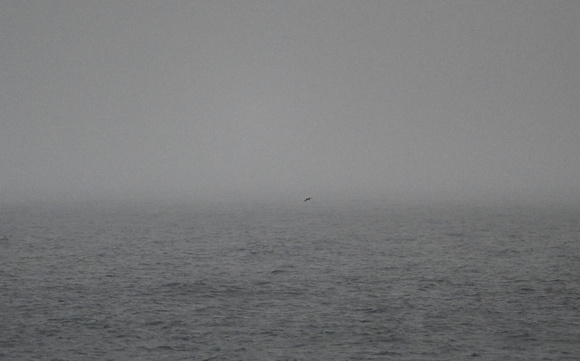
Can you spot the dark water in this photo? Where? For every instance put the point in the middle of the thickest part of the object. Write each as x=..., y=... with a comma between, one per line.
x=293, y=282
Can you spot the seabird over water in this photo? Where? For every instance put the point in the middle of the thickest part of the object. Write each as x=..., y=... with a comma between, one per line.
x=307, y=199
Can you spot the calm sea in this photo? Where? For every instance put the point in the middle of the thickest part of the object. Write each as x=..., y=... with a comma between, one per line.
x=304, y=281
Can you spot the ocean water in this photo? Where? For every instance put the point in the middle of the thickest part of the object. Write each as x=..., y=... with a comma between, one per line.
x=304, y=281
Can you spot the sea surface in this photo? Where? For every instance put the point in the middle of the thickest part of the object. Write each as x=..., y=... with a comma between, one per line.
x=304, y=281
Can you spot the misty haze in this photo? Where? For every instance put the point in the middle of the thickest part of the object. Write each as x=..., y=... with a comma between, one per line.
x=273, y=180
x=337, y=99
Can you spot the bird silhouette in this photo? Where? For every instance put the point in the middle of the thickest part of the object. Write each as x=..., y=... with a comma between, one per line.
x=307, y=199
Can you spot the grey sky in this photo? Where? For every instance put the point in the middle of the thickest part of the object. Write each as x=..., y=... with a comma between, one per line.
x=297, y=98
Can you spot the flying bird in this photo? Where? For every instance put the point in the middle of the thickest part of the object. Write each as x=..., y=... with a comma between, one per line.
x=307, y=199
